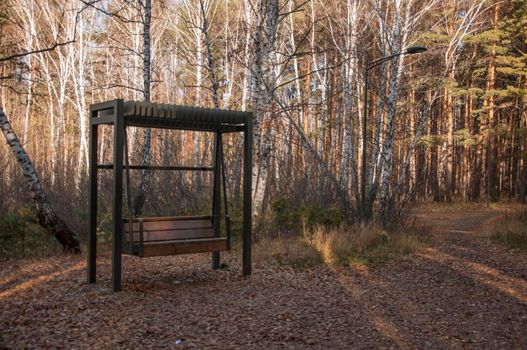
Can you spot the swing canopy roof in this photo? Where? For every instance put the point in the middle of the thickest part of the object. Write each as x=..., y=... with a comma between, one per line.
x=158, y=115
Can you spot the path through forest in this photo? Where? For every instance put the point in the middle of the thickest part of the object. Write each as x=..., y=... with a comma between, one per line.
x=464, y=292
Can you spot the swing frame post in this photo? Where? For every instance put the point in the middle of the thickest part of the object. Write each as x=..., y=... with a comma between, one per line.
x=92, y=201
x=169, y=235
x=247, y=191
x=117, y=237
x=216, y=196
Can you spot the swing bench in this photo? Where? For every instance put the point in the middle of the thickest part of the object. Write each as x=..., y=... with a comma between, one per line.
x=159, y=236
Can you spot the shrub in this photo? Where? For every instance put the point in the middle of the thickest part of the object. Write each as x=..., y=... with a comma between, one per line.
x=342, y=245
x=21, y=235
x=293, y=252
x=511, y=231
x=293, y=217
x=364, y=244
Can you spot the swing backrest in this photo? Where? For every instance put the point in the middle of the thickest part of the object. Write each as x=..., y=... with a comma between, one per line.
x=169, y=228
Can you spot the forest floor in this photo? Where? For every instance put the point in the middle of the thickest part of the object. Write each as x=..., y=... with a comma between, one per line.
x=463, y=291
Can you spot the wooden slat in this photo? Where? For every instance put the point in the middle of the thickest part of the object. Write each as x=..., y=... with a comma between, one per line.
x=174, y=123
x=171, y=235
x=108, y=119
x=171, y=218
x=168, y=225
x=182, y=113
x=146, y=109
x=106, y=112
x=184, y=247
x=159, y=167
x=102, y=105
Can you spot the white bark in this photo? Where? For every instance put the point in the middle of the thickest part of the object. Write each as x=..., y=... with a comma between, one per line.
x=347, y=49
x=79, y=77
x=146, y=154
x=205, y=8
x=398, y=42
x=193, y=42
x=46, y=214
x=297, y=97
x=28, y=14
x=228, y=62
x=262, y=86
x=247, y=75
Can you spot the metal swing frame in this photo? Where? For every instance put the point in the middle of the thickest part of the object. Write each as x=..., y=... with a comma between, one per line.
x=166, y=235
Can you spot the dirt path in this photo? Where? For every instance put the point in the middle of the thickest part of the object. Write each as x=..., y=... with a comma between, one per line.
x=465, y=292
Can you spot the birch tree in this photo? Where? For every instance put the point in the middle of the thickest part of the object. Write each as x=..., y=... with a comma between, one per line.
x=262, y=85
x=79, y=78
x=47, y=217
x=344, y=31
x=147, y=136
x=296, y=64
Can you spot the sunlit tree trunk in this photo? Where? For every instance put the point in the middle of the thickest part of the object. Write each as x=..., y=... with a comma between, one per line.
x=147, y=136
x=204, y=9
x=47, y=216
x=79, y=77
x=492, y=120
x=449, y=140
x=262, y=81
x=249, y=18
x=30, y=32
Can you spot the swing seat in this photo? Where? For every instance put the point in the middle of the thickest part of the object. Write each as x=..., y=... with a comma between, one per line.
x=158, y=236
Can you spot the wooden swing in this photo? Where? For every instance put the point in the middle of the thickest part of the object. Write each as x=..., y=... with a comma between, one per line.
x=158, y=236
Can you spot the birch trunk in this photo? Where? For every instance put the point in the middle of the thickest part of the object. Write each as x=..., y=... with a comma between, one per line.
x=395, y=73
x=79, y=81
x=288, y=135
x=210, y=57
x=263, y=78
x=30, y=32
x=247, y=74
x=147, y=137
x=47, y=217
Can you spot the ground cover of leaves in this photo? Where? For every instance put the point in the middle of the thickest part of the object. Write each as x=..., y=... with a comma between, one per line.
x=462, y=292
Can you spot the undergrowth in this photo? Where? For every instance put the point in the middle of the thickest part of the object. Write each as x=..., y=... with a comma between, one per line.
x=21, y=235
x=344, y=246
x=511, y=231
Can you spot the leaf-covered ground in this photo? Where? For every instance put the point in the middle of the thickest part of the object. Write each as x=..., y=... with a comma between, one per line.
x=465, y=292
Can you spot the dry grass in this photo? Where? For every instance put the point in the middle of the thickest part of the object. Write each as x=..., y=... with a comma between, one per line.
x=295, y=252
x=345, y=245
x=363, y=245
x=458, y=206
x=511, y=231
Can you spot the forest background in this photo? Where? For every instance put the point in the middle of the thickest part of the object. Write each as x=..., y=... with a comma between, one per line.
x=446, y=125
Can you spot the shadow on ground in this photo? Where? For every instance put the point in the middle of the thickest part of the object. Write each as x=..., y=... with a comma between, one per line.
x=465, y=292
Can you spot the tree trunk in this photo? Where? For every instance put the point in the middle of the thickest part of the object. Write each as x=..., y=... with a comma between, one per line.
x=449, y=141
x=210, y=58
x=263, y=76
x=147, y=137
x=523, y=183
x=47, y=217
x=492, y=121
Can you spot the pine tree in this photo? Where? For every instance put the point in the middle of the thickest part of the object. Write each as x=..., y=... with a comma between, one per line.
x=501, y=72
